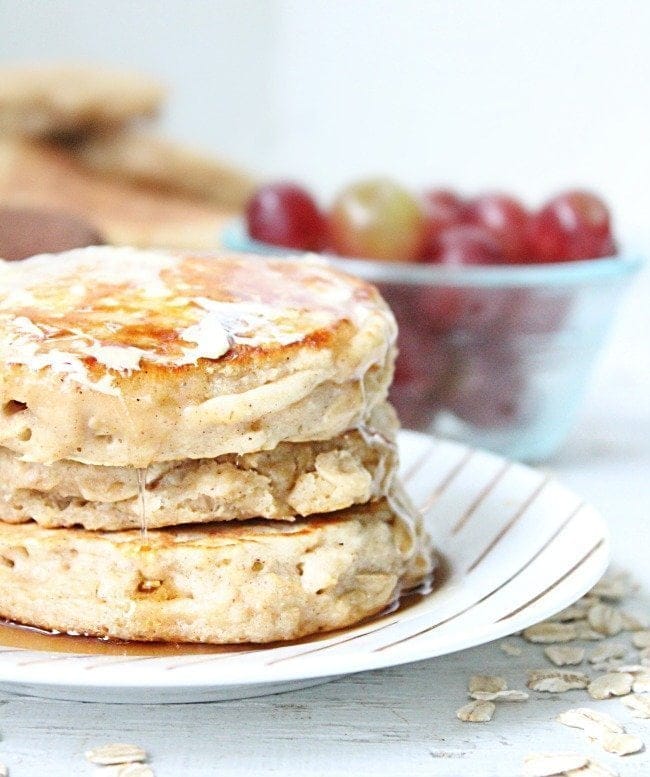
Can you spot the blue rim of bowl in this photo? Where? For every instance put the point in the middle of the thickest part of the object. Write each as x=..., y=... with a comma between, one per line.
x=235, y=237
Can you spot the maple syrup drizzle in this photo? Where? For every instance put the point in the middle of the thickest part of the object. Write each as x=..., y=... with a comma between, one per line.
x=15, y=635
x=374, y=438
x=142, y=502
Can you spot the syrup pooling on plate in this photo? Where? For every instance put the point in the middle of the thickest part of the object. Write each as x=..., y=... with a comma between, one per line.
x=17, y=636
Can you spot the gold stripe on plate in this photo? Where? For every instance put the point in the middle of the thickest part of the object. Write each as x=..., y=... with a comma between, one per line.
x=480, y=497
x=500, y=587
x=505, y=529
x=417, y=465
x=576, y=566
x=444, y=484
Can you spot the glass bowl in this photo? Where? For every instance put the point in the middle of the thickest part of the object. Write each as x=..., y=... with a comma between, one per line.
x=497, y=357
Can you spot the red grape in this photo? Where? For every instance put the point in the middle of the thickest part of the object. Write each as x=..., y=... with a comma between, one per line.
x=505, y=219
x=442, y=208
x=423, y=369
x=490, y=389
x=465, y=245
x=285, y=214
x=449, y=308
x=377, y=220
x=573, y=225
x=535, y=311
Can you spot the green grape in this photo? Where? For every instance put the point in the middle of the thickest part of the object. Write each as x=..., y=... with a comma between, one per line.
x=377, y=219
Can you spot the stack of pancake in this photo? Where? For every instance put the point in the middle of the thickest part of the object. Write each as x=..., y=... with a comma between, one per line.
x=197, y=449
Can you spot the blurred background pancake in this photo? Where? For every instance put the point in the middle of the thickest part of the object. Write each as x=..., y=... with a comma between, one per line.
x=72, y=143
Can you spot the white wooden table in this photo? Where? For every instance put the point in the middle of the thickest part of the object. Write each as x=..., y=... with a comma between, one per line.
x=397, y=721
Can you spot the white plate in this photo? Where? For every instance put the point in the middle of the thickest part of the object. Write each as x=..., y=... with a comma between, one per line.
x=517, y=545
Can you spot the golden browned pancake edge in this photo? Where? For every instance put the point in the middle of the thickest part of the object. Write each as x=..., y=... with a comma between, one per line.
x=122, y=357
x=258, y=581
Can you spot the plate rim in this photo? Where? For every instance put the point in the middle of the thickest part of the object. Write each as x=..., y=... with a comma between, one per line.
x=333, y=665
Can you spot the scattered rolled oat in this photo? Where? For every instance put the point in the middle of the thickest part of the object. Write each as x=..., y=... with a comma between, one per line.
x=486, y=683
x=592, y=769
x=606, y=651
x=550, y=764
x=609, y=733
x=548, y=632
x=499, y=695
x=640, y=705
x=564, y=655
x=592, y=722
x=575, y=612
x=613, y=588
x=512, y=696
x=483, y=695
x=644, y=655
x=641, y=683
x=126, y=770
x=631, y=668
x=107, y=755
x=610, y=684
x=641, y=639
x=607, y=666
x=587, y=633
x=551, y=681
x=476, y=712
x=605, y=619
x=631, y=622
x=510, y=649
x=621, y=744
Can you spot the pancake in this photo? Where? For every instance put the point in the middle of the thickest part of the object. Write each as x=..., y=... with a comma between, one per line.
x=293, y=479
x=41, y=176
x=119, y=357
x=164, y=165
x=258, y=581
x=61, y=100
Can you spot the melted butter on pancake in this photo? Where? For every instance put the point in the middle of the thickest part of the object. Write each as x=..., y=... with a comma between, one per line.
x=121, y=308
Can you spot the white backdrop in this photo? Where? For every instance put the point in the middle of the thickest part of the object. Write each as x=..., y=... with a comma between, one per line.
x=525, y=95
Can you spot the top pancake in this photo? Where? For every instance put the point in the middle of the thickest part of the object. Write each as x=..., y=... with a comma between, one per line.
x=120, y=357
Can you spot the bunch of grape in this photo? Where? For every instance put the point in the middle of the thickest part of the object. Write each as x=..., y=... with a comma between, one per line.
x=378, y=219
x=471, y=352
